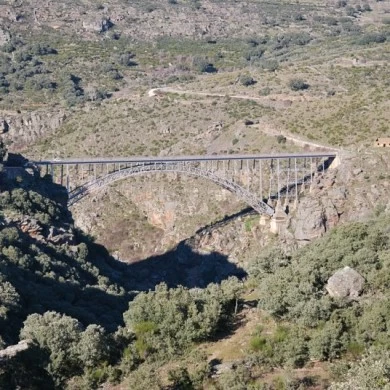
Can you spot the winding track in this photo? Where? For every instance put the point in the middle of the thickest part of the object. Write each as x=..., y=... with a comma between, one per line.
x=299, y=141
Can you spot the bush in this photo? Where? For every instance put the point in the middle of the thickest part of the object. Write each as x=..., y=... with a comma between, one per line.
x=367, y=7
x=127, y=59
x=350, y=11
x=254, y=54
x=238, y=378
x=270, y=65
x=298, y=85
x=372, y=372
x=247, y=80
x=68, y=348
x=168, y=320
x=180, y=379
x=341, y=3
x=202, y=65
x=265, y=91
x=366, y=39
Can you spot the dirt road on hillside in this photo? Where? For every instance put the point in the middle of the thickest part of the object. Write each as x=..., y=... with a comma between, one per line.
x=268, y=130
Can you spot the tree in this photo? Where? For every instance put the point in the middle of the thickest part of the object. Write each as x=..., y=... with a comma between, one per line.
x=372, y=372
x=168, y=320
x=92, y=348
x=58, y=336
x=9, y=299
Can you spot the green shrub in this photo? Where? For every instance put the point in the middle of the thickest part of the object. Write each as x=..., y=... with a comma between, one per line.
x=203, y=65
x=298, y=84
x=350, y=11
x=257, y=343
x=68, y=348
x=366, y=39
x=372, y=372
x=168, y=320
x=247, y=80
x=270, y=65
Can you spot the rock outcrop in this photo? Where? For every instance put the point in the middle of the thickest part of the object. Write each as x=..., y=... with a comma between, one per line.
x=33, y=228
x=3, y=126
x=13, y=350
x=341, y=195
x=4, y=37
x=345, y=283
x=26, y=127
x=97, y=25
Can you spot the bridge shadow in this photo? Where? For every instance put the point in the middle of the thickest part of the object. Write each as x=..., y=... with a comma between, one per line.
x=18, y=174
x=95, y=288
x=183, y=266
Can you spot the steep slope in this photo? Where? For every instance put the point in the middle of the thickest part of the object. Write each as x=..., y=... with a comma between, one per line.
x=47, y=264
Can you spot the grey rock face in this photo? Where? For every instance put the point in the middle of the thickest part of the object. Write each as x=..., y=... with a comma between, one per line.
x=11, y=351
x=24, y=128
x=4, y=37
x=345, y=283
x=3, y=126
x=97, y=25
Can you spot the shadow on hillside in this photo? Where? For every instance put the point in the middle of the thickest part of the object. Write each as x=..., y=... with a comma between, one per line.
x=19, y=175
x=84, y=281
x=97, y=290
x=182, y=266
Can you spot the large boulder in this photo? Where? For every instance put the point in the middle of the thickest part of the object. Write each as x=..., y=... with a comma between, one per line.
x=345, y=283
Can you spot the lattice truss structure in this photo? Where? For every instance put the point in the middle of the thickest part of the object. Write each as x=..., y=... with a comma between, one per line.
x=255, y=179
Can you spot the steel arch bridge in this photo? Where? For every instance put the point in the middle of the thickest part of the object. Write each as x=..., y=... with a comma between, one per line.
x=252, y=178
x=259, y=205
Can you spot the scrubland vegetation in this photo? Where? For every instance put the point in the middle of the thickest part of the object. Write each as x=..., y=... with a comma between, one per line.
x=259, y=71
x=86, y=325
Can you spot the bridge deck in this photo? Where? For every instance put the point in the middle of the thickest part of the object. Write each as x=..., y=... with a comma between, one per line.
x=158, y=159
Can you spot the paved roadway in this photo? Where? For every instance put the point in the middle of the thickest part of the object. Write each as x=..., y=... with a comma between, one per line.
x=165, y=159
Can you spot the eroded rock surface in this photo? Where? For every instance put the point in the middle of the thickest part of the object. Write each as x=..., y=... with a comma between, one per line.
x=24, y=128
x=348, y=193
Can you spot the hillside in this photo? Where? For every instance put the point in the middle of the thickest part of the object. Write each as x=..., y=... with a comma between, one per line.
x=77, y=78
x=168, y=281
x=74, y=295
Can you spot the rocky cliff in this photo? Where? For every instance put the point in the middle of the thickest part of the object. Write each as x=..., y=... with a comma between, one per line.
x=22, y=128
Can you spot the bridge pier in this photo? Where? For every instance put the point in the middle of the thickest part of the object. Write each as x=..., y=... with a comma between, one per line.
x=279, y=219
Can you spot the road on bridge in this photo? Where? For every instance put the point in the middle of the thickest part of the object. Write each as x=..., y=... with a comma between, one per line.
x=165, y=159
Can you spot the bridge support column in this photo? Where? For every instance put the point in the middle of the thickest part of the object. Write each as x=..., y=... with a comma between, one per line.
x=279, y=219
x=264, y=220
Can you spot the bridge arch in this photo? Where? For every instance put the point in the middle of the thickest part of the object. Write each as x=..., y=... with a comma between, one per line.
x=177, y=167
